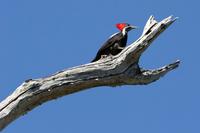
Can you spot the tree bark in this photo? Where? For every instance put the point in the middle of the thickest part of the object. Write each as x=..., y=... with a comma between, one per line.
x=122, y=69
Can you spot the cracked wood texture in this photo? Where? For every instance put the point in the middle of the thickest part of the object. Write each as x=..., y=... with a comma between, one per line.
x=122, y=69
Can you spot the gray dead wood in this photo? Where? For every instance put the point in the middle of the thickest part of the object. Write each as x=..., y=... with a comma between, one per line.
x=122, y=69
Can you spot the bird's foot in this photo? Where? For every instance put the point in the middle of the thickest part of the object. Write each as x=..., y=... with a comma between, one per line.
x=121, y=48
x=103, y=56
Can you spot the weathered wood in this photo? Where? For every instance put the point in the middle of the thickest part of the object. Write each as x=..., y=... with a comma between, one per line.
x=122, y=69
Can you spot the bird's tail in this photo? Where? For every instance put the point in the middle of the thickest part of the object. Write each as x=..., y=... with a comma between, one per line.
x=97, y=57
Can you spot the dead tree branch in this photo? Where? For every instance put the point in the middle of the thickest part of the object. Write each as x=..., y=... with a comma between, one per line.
x=122, y=69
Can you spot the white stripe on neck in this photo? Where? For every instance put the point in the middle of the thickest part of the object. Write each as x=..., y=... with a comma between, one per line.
x=124, y=31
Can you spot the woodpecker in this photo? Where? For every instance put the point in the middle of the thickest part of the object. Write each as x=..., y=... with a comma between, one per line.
x=116, y=42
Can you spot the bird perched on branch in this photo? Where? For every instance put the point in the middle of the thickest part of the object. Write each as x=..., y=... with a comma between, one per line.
x=116, y=43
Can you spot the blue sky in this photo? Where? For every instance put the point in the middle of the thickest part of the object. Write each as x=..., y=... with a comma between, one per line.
x=41, y=37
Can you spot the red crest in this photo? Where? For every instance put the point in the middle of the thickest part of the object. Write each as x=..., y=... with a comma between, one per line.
x=121, y=26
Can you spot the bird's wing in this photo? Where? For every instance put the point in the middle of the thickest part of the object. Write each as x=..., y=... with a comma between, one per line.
x=111, y=41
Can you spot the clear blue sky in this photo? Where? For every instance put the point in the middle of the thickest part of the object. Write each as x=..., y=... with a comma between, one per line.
x=41, y=37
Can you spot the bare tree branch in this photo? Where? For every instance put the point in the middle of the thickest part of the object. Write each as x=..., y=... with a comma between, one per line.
x=122, y=69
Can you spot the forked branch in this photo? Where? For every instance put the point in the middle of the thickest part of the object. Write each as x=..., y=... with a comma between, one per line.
x=122, y=69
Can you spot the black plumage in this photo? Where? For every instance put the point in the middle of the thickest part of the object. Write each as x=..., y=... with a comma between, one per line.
x=112, y=46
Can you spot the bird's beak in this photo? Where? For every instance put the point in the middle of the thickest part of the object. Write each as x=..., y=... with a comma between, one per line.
x=131, y=27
